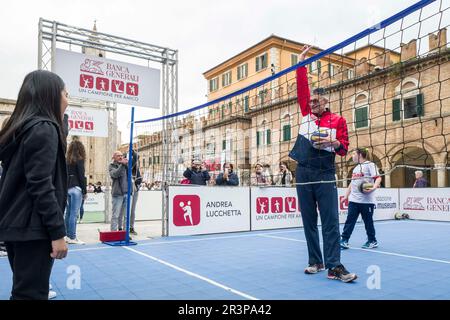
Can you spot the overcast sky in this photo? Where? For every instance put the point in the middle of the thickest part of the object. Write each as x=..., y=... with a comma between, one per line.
x=205, y=32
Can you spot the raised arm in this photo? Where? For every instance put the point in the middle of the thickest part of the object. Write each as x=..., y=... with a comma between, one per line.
x=303, y=95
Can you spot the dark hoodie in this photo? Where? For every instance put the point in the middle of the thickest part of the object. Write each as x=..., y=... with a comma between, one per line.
x=33, y=187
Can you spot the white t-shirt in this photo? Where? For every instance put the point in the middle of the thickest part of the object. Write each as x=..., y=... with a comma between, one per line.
x=362, y=173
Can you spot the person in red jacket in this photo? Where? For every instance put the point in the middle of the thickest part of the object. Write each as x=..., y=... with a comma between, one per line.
x=322, y=135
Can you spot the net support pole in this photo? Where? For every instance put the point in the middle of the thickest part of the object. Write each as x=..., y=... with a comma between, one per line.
x=130, y=181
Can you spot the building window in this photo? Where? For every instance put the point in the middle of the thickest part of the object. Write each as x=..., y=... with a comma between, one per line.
x=213, y=84
x=261, y=62
x=226, y=79
x=242, y=71
x=407, y=108
x=286, y=132
x=246, y=104
x=143, y=162
x=362, y=117
x=223, y=111
x=150, y=162
x=294, y=59
x=350, y=73
x=268, y=137
x=331, y=69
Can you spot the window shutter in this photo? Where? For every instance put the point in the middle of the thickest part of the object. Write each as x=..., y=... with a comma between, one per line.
x=268, y=136
x=257, y=139
x=420, y=106
x=361, y=117
x=396, y=110
x=224, y=144
x=246, y=104
x=257, y=63
x=319, y=67
x=287, y=132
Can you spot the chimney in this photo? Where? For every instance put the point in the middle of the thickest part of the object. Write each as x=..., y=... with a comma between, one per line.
x=438, y=42
x=409, y=50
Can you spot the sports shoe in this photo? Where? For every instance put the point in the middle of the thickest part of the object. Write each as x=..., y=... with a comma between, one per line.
x=133, y=232
x=3, y=253
x=314, y=268
x=370, y=245
x=340, y=273
x=75, y=241
x=344, y=244
x=52, y=294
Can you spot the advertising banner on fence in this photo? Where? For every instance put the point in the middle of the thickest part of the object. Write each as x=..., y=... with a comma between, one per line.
x=385, y=207
x=205, y=210
x=274, y=208
x=426, y=203
x=96, y=78
x=95, y=202
x=87, y=122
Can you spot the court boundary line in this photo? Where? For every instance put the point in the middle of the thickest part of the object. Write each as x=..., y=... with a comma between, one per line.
x=368, y=250
x=193, y=274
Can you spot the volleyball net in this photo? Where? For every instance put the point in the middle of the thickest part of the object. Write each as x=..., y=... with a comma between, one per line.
x=391, y=83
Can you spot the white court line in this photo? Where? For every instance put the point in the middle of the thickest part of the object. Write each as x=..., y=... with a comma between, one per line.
x=192, y=274
x=369, y=250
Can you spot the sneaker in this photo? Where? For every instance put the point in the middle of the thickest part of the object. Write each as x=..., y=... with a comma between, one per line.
x=370, y=245
x=3, y=253
x=340, y=273
x=344, y=244
x=75, y=241
x=52, y=294
x=133, y=232
x=314, y=268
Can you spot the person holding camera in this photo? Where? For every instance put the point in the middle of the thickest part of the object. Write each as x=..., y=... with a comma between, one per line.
x=197, y=174
x=227, y=177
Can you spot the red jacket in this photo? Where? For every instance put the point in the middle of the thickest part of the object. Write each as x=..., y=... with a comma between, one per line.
x=304, y=152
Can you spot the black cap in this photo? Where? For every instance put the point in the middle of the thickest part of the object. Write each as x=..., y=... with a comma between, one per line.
x=319, y=91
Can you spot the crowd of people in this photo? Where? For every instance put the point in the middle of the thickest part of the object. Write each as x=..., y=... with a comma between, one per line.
x=197, y=174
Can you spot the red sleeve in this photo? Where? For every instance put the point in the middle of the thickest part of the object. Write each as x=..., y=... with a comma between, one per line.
x=342, y=137
x=303, y=96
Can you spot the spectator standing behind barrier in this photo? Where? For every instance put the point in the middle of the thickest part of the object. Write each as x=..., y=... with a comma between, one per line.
x=98, y=187
x=137, y=180
x=118, y=170
x=227, y=177
x=261, y=177
x=284, y=176
x=33, y=188
x=197, y=174
x=76, y=156
x=420, y=182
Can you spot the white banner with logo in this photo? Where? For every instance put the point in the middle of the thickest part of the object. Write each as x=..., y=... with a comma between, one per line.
x=426, y=203
x=385, y=207
x=87, y=122
x=95, y=202
x=274, y=208
x=205, y=210
x=102, y=79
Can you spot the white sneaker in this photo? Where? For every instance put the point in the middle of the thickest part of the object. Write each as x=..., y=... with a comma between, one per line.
x=52, y=294
x=75, y=241
x=3, y=253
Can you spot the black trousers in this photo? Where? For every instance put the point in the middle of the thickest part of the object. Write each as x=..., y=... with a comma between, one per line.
x=31, y=265
x=322, y=196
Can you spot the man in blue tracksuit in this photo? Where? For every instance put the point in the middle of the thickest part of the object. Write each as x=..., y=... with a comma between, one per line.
x=322, y=135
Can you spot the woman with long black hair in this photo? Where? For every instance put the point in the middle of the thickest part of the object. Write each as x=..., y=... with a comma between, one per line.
x=33, y=187
x=76, y=156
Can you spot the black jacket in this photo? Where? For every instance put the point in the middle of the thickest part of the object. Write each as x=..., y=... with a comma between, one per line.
x=233, y=179
x=33, y=187
x=197, y=177
x=76, y=175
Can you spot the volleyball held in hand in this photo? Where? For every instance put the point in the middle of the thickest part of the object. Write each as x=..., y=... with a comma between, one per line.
x=365, y=187
x=320, y=135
